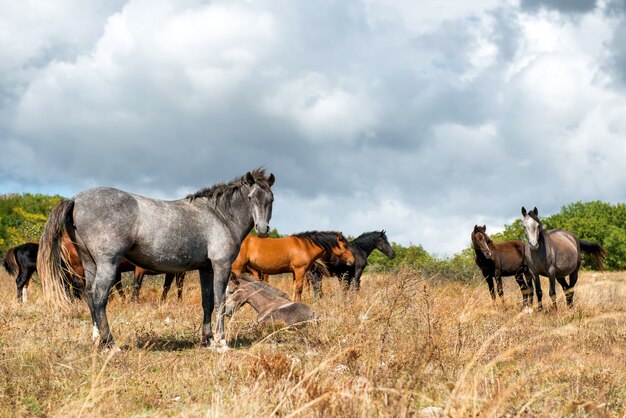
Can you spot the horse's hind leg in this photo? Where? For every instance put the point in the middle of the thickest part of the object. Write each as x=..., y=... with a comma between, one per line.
x=139, y=274
x=568, y=289
x=519, y=278
x=167, y=284
x=22, y=281
x=180, y=278
x=118, y=285
x=98, y=291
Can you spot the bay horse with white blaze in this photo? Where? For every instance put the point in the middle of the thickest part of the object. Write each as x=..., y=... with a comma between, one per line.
x=201, y=232
x=502, y=259
x=555, y=254
x=294, y=254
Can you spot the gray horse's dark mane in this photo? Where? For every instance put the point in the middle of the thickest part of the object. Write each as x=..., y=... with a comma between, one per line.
x=325, y=239
x=261, y=286
x=227, y=190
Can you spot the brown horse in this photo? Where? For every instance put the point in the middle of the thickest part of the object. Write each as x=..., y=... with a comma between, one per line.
x=502, y=259
x=295, y=254
x=270, y=303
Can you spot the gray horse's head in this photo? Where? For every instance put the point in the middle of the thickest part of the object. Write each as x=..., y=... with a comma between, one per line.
x=384, y=247
x=260, y=198
x=532, y=227
x=481, y=240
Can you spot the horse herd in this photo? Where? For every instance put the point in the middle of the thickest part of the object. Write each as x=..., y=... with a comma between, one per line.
x=90, y=239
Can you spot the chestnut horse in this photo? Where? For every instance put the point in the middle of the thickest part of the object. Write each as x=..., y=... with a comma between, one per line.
x=294, y=254
x=502, y=259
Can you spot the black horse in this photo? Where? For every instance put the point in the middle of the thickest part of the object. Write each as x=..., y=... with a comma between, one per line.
x=361, y=247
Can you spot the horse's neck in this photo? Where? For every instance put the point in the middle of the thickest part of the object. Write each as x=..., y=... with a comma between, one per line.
x=367, y=246
x=316, y=250
x=238, y=217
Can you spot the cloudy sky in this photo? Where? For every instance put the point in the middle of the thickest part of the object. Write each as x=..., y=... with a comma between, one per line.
x=419, y=117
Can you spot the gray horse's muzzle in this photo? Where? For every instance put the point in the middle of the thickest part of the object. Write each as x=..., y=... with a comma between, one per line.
x=262, y=230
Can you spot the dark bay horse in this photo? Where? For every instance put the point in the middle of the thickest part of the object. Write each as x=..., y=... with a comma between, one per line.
x=201, y=232
x=23, y=261
x=361, y=247
x=555, y=254
x=270, y=303
x=502, y=259
x=294, y=254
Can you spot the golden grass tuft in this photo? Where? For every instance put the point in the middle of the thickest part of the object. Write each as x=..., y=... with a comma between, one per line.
x=401, y=345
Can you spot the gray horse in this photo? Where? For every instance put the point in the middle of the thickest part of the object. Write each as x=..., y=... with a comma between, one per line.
x=270, y=303
x=555, y=254
x=203, y=231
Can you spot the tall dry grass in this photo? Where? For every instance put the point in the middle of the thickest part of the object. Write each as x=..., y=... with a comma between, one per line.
x=401, y=345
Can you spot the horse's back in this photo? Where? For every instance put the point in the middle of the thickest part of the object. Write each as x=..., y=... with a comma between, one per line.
x=270, y=254
x=511, y=255
x=292, y=314
x=566, y=250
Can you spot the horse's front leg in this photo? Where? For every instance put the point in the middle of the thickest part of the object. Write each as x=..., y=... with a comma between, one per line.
x=221, y=276
x=552, y=279
x=358, y=271
x=498, y=278
x=298, y=276
x=22, y=281
x=489, y=279
x=208, y=302
x=167, y=284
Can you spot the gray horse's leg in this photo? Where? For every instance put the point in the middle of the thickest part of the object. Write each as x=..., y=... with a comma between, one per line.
x=552, y=279
x=208, y=302
x=99, y=295
x=90, y=276
x=537, y=281
x=566, y=288
x=573, y=278
x=221, y=274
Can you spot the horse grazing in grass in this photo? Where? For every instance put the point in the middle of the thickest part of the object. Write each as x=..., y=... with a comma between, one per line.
x=361, y=247
x=201, y=232
x=140, y=273
x=555, y=254
x=23, y=261
x=271, y=304
x=502, y=259
x=294, y=254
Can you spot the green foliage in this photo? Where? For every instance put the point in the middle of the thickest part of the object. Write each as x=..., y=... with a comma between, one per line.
x=23, y=217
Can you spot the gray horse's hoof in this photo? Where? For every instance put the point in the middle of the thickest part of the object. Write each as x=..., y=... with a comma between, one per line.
x=219, y=347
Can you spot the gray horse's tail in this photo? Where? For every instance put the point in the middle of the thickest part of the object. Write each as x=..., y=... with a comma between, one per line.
x=596, y=251
x=53, y=256
x=10, y=263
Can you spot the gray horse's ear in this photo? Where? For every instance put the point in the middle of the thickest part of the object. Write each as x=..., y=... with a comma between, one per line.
x=249, y=178
x=524, y=213
x=535, y=210
x=271, y=179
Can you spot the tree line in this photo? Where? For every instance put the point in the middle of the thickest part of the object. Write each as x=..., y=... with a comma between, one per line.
x=23, y=217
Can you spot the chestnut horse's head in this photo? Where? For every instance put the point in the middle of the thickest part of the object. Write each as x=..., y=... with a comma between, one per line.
x=342, y=250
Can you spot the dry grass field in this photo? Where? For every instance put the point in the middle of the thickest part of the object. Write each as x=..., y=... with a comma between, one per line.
x=401, y=345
